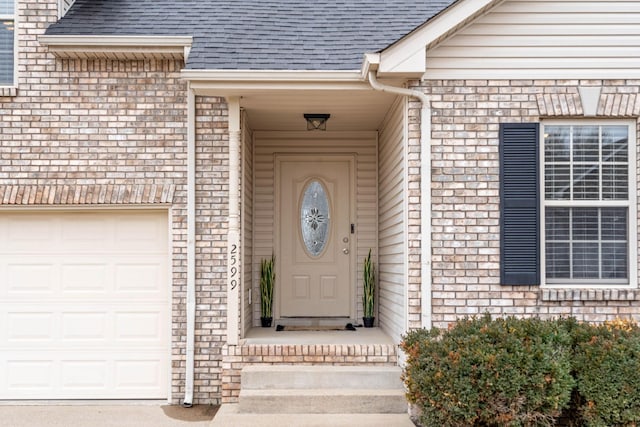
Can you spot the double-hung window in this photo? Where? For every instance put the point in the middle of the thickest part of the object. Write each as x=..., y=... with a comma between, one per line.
x=588, y=216
x=7, y=42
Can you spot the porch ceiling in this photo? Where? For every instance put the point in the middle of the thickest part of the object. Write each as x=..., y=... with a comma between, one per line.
x=353, y=107
x=350, y=110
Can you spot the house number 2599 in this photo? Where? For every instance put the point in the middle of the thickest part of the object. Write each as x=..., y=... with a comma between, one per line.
x=233, y=270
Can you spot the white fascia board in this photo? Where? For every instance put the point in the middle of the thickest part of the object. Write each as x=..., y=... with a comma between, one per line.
x=74, y=44
x=272, y=75
x=370, y=62
x=236, y=81
x=408, y=55
x=534, y=74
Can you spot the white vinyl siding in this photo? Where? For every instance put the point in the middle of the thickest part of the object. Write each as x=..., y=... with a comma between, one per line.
x=266, y=145
x=84, y=305
x=7, y=42
x=588, y=203
x=247, y=223
x=392, y=244
x=544, y=39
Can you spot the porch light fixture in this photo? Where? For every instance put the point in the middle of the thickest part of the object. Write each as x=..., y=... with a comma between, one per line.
x=316, y=121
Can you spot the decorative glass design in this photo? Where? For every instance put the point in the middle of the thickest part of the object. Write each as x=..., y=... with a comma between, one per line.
x=315, y=218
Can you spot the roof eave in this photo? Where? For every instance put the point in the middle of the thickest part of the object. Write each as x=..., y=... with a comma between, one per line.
x=223, y=82
x=117, y=47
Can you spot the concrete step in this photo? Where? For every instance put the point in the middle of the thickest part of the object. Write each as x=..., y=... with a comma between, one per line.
x=269, y=377
x=229, y=415
x=323, y=401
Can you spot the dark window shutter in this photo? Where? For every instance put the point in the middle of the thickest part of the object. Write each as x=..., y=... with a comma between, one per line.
x=519, y=204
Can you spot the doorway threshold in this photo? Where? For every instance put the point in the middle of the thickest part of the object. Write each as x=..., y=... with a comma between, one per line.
x=361, y=336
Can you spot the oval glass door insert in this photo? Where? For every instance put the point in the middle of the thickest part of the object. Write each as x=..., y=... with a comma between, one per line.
x=314, y=217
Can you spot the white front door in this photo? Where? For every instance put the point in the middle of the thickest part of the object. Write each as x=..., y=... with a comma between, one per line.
x=315, y=237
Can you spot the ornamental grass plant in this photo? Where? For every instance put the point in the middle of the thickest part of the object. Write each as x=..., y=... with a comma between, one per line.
x=369, y=291
x=267, y=280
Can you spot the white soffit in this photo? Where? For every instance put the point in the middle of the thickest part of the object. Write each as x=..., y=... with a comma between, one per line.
x=407, y=57
x=118, y=47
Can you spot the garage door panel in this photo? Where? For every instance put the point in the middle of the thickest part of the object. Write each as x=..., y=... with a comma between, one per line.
x=29, y=327
x=137, y=374
x=125, y=326
x=36, y=277
x=140, y=327
x=78, y=233
x=87, y=277
x=30, y=376
x=139, y=233
x=25, y=230
x=86, y=305
x=140, y=277
x=84, y=327
x=84, y=376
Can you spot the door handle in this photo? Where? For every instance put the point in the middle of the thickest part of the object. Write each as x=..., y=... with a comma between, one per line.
x=345, y=251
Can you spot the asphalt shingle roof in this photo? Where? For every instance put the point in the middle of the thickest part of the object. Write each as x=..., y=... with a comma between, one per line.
x=259, y=34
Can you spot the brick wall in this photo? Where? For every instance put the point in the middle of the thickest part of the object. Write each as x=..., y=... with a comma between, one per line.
x=465, y=190
x=212, y=211
x=91, y=132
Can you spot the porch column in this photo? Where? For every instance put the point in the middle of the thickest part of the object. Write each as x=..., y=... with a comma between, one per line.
x=233, y=239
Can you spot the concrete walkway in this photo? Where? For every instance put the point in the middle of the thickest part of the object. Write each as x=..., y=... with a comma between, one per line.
x=228, y=416
x=60, y=415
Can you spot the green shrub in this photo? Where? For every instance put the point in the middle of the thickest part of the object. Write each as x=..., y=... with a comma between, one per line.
x=484, y=372
x=607, y=370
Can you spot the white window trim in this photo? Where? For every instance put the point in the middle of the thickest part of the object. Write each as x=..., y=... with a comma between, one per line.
x=632, y=226
x=14, y=18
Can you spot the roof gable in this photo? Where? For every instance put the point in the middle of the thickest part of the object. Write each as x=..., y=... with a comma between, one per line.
x=407, y=56
x=563, y=39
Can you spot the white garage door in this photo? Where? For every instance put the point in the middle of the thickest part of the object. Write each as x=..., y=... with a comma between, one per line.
x=84, y=305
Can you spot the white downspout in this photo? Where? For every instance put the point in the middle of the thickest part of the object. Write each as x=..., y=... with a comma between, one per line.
x=191, y=246
x=425, y=188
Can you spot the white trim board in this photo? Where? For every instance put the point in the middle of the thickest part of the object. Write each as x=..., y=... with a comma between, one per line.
x=118, y=47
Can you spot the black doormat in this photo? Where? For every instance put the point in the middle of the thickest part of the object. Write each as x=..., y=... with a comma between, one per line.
x=347, y=327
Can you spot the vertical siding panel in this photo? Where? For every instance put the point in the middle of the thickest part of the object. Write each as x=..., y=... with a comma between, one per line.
x=392, y=237
x=367, y=207
x=247, y=225
x=263, y=217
